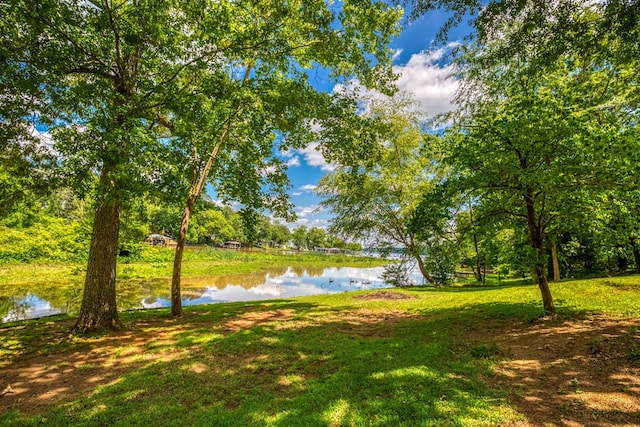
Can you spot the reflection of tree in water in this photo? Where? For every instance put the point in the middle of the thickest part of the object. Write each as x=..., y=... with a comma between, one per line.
x=15, y=305
x=300, y=271
x=131, y=293
x=245, y=280
x=66, y=296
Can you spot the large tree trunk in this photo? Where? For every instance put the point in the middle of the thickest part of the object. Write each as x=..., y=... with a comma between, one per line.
x=556, y=262
x=536, y=239
x=98, y=310
x=636, y=253
x=176, y=297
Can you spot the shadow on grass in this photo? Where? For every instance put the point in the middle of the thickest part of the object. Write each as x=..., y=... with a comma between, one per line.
x=283, y=363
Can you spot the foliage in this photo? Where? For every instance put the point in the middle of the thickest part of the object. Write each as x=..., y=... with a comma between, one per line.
x=396, y=275
x=373, y=197
x=49, y=239
x=531, y=146
x=138, y=93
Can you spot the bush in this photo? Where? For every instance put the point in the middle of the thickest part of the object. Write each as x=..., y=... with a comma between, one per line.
x=47, y=240
x=396, y=275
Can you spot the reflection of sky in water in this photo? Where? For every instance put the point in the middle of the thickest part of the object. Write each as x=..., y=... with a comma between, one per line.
x=287, y=285
x=30, y=307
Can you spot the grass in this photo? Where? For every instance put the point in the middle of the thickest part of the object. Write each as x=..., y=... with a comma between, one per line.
x=158, y=262
x=329, y=360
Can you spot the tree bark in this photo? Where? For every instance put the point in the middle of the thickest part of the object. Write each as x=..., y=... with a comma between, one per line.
x=476, y=271
x=636, y=253
x=423, y=269
x=176, y=297
x=99, y=310
x=536, y=239
x=556, y=262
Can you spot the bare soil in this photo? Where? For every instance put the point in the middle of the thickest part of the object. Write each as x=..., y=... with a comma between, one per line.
x=555, y=372
x=384, y=295
x=571, y=373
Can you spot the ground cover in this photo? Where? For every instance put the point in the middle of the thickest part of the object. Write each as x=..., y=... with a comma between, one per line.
x=158, y=262
x=450, y=356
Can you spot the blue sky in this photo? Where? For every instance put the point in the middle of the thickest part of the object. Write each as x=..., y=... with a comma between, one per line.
x=423, y=73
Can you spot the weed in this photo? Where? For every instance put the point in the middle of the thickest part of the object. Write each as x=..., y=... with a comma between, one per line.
x=595, y=346
x=634, y=352
x=485, y=351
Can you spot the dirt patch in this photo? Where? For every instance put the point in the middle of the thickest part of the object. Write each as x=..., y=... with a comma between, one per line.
x=252, y=319
x=571, y=373
x=385, y=295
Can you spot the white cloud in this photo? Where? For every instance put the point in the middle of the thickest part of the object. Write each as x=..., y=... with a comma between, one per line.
x=293, y=161
x=314, y=157
x=269, y=170
x=396, y=54
x=296, y=193
x=430, y=82
x=309, y=223
x=433, y=85
x=308, y=188
x=44, y=139
x=305, y=211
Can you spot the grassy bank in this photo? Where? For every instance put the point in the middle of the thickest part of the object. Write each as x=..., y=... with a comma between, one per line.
x=153, y=263
x=427, y=359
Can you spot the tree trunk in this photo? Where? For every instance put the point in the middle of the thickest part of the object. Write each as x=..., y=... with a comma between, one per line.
x=98, y=310
x=536, y=239
x=200, y=178
x=476, y=271
x=556, y=262
x=423, y=269
x=636, y=253
x=176, y=297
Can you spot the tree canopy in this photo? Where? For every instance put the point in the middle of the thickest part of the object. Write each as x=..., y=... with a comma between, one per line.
x=127, y=88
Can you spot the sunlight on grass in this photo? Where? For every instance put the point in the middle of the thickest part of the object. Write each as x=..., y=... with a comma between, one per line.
x=413, y=371
x=337, y=412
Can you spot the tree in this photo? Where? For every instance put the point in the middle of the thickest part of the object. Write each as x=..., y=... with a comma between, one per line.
x=109, y=78
x=536, y=150
x=280, y=234
x=99, y=74
x=270, y=102
x=316, y=237
x=299, y=237
x=374, y=196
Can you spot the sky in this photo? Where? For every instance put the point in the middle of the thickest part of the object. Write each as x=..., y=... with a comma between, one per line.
x=423, y=72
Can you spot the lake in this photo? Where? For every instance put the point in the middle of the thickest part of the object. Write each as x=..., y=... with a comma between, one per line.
x=275, y=283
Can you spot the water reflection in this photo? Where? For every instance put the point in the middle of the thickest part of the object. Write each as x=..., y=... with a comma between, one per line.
x=281, y=282
x=29, y=307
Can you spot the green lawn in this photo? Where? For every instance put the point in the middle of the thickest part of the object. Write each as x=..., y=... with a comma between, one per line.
x=331, y=360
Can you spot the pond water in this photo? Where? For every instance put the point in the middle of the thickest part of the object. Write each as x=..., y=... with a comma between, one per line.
x=283, y=282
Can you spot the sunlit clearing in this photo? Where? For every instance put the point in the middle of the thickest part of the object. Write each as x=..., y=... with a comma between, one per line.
x=414, y=371
x=337, y=412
